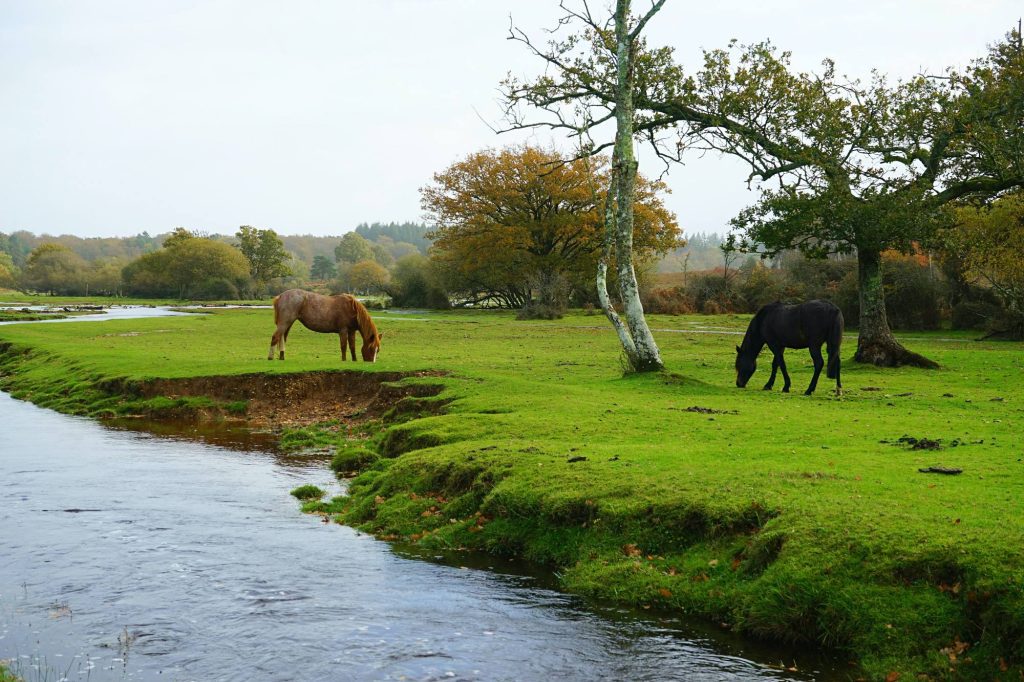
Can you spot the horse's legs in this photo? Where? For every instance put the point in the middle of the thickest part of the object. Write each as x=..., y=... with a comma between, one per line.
x=775, y=367
x=274, y=340
x=785, y=374
x=839, y=384
x=283, y=330
x=352, y=343
x=818, y=364
x=344, y=339
x=834, y=361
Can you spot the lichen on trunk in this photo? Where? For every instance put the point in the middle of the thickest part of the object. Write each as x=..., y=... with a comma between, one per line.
x=640, y=348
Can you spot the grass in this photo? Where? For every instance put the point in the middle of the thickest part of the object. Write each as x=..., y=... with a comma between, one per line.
x=785, y=517
x=307, y=492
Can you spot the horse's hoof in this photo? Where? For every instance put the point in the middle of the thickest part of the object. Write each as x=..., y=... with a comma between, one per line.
x=785, y=389
x=767, y=388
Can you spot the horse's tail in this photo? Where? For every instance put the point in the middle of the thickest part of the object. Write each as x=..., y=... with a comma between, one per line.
x=277, y=313
x=835, y=340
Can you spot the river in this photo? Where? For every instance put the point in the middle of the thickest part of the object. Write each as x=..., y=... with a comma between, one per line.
x=126, y=555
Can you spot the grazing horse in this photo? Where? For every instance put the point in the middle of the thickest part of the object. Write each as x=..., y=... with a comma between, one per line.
x=805, y=325
x=341, y=314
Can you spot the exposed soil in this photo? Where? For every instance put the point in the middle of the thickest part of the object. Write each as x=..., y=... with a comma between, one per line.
x=275, y=400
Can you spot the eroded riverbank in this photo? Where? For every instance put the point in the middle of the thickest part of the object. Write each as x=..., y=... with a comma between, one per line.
x=192, y=563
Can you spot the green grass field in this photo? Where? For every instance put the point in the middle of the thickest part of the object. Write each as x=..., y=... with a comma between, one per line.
x=782, y=516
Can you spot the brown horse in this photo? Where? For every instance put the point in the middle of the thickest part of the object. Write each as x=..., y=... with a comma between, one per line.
x=341, y=314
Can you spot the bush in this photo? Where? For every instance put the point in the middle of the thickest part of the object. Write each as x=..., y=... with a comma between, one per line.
x=762, y=286
x=712, y=294
x=308, y=492
x=552, y=299
x=350, y=459
x=218, y=289
x=913, y=294
x=415, y=284
x=674, y=301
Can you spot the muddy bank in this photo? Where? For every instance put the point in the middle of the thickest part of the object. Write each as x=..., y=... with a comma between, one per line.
x=280, y=400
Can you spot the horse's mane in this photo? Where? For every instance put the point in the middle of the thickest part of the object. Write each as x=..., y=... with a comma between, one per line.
x=367, y=329
x=753, y=335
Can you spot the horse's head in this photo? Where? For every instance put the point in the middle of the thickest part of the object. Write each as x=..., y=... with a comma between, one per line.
x=746, y=363
x=371, y=346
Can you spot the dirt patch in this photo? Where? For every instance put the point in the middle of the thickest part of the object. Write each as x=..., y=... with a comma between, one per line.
x=275, y=400
x=920, y=443
x=703, y=410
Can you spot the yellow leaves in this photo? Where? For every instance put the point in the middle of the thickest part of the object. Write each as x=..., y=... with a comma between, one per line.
x=954, y=650
x=666, y=593
x=502, y=213
x=631, y=550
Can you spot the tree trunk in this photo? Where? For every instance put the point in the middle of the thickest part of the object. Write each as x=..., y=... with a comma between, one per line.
x=628, y=347
x=624, y=168
x=875, y=343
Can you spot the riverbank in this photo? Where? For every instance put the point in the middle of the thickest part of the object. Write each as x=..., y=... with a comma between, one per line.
x=779, y=516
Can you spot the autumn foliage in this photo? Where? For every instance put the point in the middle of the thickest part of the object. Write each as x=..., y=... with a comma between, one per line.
x=507, y=219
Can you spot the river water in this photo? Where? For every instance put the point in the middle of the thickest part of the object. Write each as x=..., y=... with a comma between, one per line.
x=126, y=555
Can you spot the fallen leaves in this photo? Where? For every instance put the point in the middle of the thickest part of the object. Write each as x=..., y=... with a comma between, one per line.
x=955, y=649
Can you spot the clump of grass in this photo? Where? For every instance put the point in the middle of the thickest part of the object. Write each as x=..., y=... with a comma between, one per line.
x=322, y=436
x=351, y=457
x=6, y=675
x=308, y=492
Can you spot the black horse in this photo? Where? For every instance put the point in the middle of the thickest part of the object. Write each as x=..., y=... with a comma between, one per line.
x=805, y=325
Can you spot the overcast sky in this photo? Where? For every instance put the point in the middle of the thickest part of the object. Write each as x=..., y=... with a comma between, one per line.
x=313, y=116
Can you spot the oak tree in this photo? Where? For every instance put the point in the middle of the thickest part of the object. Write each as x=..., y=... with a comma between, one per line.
x=506, y=219
x=266, y=255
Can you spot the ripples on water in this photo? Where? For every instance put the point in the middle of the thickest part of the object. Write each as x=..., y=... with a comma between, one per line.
x=131, y=556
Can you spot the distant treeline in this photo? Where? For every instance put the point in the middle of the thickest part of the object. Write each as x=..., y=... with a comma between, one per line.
x=304, y=247
x=186, y=264
x=703, y=251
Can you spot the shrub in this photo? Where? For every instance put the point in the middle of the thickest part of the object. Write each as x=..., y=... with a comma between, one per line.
x=674, y=301
x=350, y=459
x=308, y=492
x=913, y=294
x=217, y=289
x=552, y=299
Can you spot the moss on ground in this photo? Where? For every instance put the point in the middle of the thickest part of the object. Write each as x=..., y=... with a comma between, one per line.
x=785, y=517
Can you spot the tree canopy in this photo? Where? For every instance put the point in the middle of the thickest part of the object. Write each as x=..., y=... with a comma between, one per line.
x=266, y=254
x=189, y=267
x=53, y=269
x=853, y=166
x=989, y=241
x=353, y=248
x=504, y=216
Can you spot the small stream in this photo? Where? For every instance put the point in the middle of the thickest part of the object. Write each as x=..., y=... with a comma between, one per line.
x=127, y=555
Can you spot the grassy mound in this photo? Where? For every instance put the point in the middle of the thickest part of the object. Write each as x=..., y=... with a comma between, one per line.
x=785, y=517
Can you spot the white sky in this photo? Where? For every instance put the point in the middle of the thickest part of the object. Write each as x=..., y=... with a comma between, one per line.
x=118, y=116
